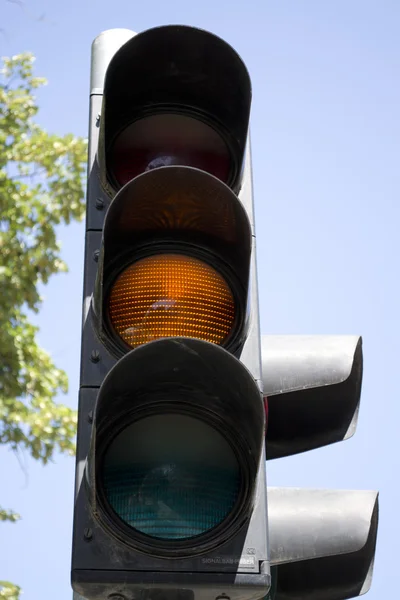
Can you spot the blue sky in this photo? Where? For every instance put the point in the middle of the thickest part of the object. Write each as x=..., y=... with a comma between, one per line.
x=326, y=154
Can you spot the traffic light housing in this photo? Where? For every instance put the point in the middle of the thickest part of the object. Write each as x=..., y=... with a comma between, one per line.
x=176, y=380
x=170, y=485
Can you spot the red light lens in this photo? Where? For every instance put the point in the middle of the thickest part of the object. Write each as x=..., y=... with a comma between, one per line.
x=164, y=140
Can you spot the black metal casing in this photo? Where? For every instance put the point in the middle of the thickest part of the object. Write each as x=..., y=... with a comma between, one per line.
x=124, y=224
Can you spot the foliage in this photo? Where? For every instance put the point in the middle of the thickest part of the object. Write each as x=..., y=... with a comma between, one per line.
x=8, y=515
x=9, y=591
x=40, y=188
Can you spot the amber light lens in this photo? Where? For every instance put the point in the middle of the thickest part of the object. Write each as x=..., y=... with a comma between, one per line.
x=171, y=295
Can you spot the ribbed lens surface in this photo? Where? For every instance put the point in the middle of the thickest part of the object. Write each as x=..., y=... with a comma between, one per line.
x=171, y=477
x=169, y=295
x=168, y=139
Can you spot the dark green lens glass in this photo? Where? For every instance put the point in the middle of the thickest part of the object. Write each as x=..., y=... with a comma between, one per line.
x=171, y=477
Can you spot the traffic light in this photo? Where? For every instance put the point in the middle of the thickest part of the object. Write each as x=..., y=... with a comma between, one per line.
x=322, y=542
x=171, y=497
x=176, y=381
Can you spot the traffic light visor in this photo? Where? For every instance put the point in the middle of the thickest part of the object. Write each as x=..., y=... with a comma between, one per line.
x=178, y=431
x=318, y=404
x=174, y=95
x=175, y=261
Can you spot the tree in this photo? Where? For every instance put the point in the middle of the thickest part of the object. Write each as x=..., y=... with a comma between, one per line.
x=41, y=177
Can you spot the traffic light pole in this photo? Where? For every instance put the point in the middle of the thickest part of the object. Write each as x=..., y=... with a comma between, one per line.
x=103, y=49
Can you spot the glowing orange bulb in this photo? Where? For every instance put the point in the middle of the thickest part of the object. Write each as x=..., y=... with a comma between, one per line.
x=169, y=295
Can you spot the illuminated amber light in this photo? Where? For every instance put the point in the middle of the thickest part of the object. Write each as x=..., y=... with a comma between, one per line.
x=170, y=295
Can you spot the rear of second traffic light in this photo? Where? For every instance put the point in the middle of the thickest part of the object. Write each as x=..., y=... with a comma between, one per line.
x=322, y=541
x=170, y=486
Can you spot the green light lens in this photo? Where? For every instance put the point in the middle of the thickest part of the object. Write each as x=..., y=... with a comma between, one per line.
x=171, y=477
